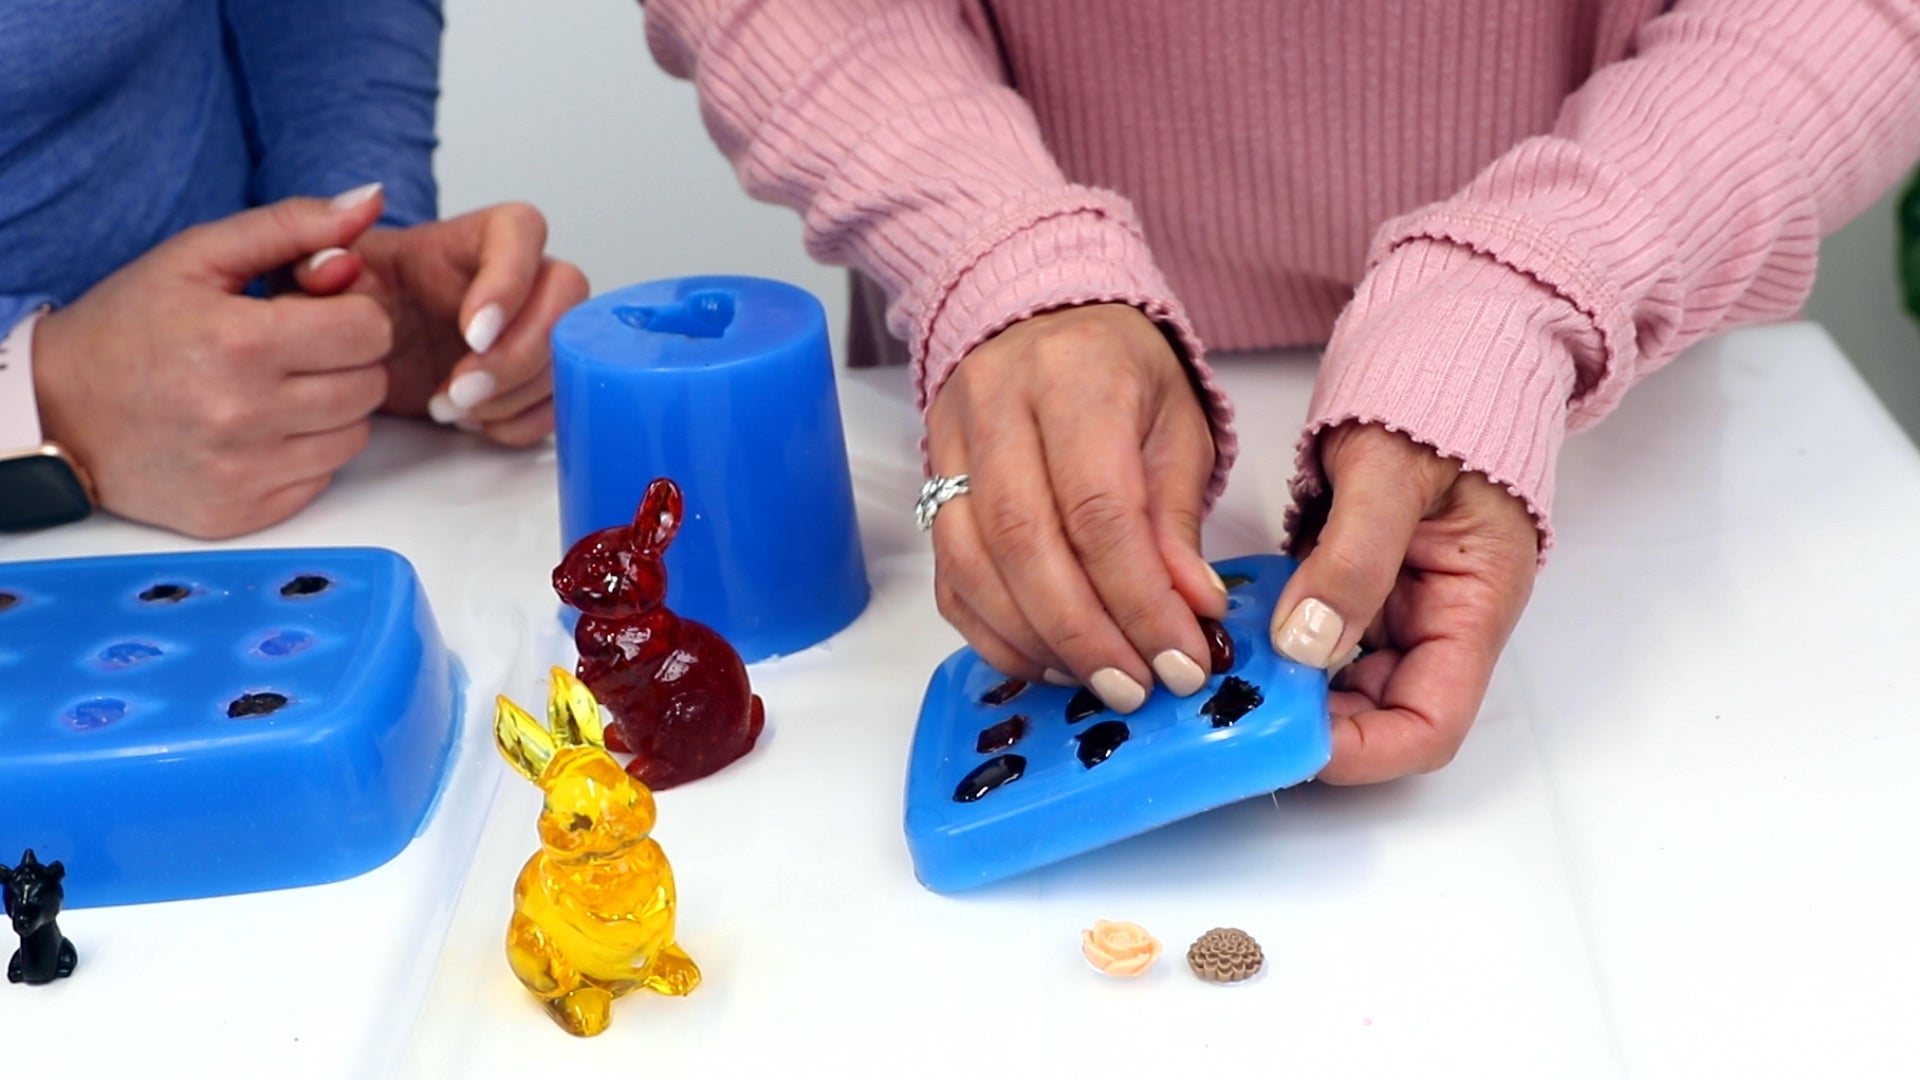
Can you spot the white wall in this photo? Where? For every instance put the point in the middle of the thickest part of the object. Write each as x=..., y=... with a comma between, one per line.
x=560, y=104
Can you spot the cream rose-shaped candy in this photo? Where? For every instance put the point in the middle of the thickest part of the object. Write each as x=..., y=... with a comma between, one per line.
x=1121, y=949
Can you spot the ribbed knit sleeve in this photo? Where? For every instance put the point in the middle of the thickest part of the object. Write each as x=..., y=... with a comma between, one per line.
x=1682, y=191
x=889, y=126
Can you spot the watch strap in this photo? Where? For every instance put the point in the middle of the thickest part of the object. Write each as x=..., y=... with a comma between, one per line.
x=19, y=406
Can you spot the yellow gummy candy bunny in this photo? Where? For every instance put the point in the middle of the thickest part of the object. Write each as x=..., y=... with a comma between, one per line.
x=593, y=908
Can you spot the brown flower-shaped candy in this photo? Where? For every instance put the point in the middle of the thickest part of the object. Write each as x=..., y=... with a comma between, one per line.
x=1119, y=948
x=1225, y=955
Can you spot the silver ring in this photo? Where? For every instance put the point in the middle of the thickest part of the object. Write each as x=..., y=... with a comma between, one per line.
x=935, y=492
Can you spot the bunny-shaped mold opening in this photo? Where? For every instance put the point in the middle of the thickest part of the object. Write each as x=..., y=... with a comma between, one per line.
x=593, y=909
x=678, y=693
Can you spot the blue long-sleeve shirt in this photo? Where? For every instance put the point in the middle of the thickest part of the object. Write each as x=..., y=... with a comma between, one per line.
x=123, y=122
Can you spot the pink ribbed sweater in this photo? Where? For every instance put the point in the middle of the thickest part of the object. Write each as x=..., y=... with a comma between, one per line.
x=1497, y=214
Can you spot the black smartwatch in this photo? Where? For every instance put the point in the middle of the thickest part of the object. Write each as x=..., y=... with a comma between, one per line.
x=41, y=484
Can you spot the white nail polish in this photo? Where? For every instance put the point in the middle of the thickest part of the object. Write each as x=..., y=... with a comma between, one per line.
x=1058, y=678
x=471, y=389
x=347, y=200
x=323, y=257
x=484, y=328
x=442, y=410
x=1218, y=582
x=1309, y=634
x=1179, y=673
x=1117, y=689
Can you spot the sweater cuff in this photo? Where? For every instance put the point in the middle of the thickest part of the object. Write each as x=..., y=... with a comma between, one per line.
x=1461, y=353
x=1066, y=251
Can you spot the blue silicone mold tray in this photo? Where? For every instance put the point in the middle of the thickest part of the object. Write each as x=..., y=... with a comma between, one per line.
x=981, y=808
x=200, y=724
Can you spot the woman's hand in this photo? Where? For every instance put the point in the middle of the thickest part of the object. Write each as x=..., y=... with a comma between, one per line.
x=1076, y=556
x=473, y=301
x=1426, y=565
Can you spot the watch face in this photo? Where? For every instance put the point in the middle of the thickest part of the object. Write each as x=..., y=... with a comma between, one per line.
x=38, y=490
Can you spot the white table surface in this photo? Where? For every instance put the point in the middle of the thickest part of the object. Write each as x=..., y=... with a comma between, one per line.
x=1680, y=842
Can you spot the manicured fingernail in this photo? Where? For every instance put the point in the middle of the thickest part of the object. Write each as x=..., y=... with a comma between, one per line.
x=1309, y=634
x=470, y=389
x=1179, y=673
x=1058, y=678
x=1218, y=582
x=1117, y=689
x=347, y=200
x=484, y=328
x=323, y=257
x=442, y=410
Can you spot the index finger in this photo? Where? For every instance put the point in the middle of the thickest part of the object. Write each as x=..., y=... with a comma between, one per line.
x=506, y=244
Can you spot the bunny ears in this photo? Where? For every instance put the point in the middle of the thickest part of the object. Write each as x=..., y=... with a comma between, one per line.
x=573, y=715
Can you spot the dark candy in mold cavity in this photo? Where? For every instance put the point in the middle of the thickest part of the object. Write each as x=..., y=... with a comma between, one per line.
x=1234, y=581
x=1219, y=646
x=255, y=704
x=165, y=592
x=8, y=599
x=1236, y=698
x=1084, y=704
x=1001, y=735
x=1098, y=742
x=994, y=773
x=1003, y=692
x=306, y=585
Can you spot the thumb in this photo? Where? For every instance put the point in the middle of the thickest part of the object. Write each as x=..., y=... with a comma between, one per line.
x=236, y=250
x=1383, y=485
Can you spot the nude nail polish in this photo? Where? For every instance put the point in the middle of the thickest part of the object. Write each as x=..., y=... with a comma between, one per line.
x=1218, y=582
x=1058, y=678
x=1179, y=673
x=470, y=389
x=1309, y=634
x=1117, y=689
x=484, y=328
x=347, y=200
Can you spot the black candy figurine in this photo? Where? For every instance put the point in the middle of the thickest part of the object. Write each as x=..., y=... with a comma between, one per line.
x=33, y=895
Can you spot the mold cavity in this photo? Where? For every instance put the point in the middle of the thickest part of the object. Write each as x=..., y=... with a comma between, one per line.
x=1234, y=603
x=1098, y=742
x=285, y=643
x=306, y=585
x=8, y=599
x=1083, y=705
x=165, y=593
x=1219, y=646
x=1236, y=698
x=1001, y=735
x=1003, y=692
x=259, y=704
x=999, y=772
x=128, y=653
x=700, y=314
x=1234, y=581
x=95, y=713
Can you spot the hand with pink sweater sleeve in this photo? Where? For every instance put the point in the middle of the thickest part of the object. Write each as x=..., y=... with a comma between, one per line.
x=1682, y=191
x=1083, y=413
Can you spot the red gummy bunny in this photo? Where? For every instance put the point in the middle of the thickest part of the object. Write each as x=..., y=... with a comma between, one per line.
x=678, y=693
